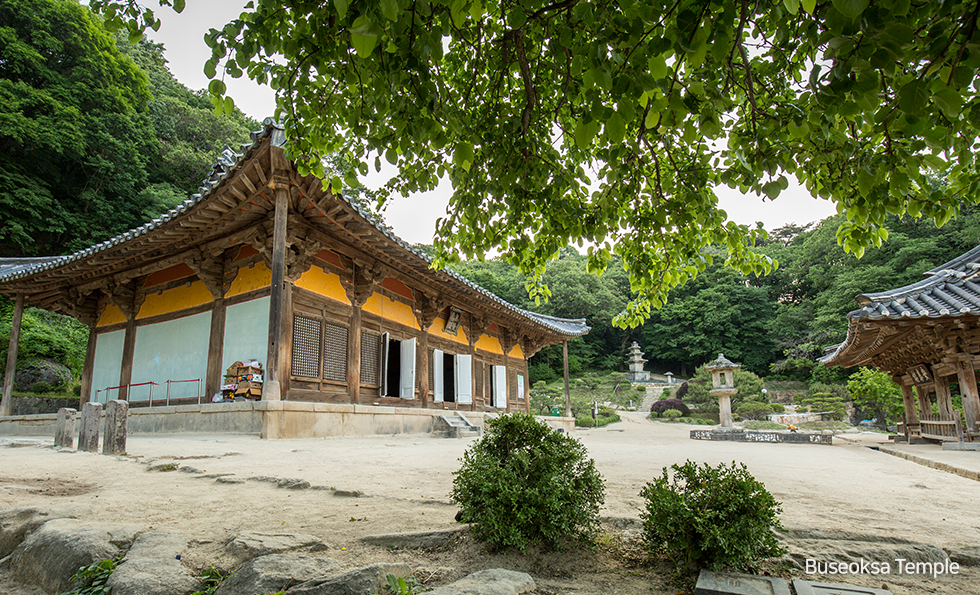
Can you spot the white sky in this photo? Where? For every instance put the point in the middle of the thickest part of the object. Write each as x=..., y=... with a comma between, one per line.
x=413, y=219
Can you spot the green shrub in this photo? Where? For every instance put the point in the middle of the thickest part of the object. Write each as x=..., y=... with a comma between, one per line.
x=825, y=403
x=753, y=410
x=654, y=414
x=707, y=517
x=41, y=388
x=91, y=579
x=609, y=419
x=696, y=421
x=777, y=407
x=672, y=414
x=524, y=483
x=584, y=422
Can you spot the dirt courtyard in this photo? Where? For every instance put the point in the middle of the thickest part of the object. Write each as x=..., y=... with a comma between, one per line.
x=404, y=483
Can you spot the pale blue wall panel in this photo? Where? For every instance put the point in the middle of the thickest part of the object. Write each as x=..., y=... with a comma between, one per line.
x=246, y=333
x=108, y=363
x=172, y=350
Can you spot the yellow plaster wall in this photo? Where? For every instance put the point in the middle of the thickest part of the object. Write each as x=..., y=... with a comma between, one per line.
x=173, y=300
x=395, y=311
x=491, y=344
x=112, y=315
x=438, y=329
x=247, y=279
x=325, y=284
x=517, y=352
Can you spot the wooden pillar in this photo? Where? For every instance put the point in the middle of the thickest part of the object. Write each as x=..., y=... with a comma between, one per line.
x=277, y=299
x=129, y=348
x=354, y=354
x=7, y=401
x=911, y=417
x=968, y=390
x=568, y=398
x=216, y=346
x=88, y=368
x=925, y=403
x=944, y=398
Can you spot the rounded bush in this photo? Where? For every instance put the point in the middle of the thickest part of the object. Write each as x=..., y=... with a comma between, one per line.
x=665, y=404
x=523, y=483
x=777, y=407
x=585, y=422
x=41, y=387
x=672, y=414
x=753, y=410
x=707, y=517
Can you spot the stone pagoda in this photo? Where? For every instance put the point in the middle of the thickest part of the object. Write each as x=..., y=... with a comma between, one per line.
x=636, y=361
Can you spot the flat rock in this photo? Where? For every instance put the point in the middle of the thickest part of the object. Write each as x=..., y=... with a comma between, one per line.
x=855, y=551
x=730, y=583
x=275, y=572
x=162, y=466
x=49, y=556
x=366, y=580
x=252, y=544
x=16, y=524
x=420, y=539
x=293, y=484
x=968, y=555
x=495, y=581
x=348, y=493
x=230, y=479
x=816, y=588
x=151, y=567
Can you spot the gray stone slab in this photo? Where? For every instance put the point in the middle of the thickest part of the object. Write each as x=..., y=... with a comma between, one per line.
x=730, y=583
x=116, y=418
x=816, y=588
x=90, y=425
x=64, y=434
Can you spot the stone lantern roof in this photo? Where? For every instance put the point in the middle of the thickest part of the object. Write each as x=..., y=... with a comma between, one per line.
x=721, y=362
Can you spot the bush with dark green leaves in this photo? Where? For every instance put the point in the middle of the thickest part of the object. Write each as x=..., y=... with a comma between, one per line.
x=753, y=410
x=824, y=402
x=672, y=414
x=41, y=388
x=710, y=517
x=665, y=404
x=523, y=483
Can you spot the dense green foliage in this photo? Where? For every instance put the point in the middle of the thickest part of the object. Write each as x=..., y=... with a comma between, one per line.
x=92, y=143
x=876, y=391
x=826, y=403
x=710, y=517
x=523, y=483
x=91, y=579
x=612, y=123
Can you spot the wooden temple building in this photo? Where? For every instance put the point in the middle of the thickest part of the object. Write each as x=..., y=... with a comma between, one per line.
x=927, y=336
x=264, y=264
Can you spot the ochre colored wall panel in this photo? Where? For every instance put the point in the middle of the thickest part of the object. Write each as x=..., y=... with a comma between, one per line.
x=325, y=284
x=174, y=300
x=516, y=352
x=112, y=315
x=395, y=311
x=248, y=279
x=488, y=343
x=437, y=330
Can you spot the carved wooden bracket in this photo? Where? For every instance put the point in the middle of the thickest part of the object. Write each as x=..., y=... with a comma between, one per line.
x=532, y=345
x=83, y=306
x=210, y=271
x=508, y=339
x=123, y=295
x=478, y=326
x=427, y=308
x=299, y=256
x=364, y=283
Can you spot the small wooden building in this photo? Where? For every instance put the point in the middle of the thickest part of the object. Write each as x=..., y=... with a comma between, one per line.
x=264, y=264
x=927, y=336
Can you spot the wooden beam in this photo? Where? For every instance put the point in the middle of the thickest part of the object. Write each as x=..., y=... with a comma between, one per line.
x=216, y=344
x=88, y=368
x=7, y=401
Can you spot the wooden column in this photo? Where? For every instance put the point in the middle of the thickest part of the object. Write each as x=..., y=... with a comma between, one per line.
x=968, y=390
x=88, y=369
x=129, y=349
x=568, y=398
x=925, y=403
x=277, y=303
x=7, y=401
x=216, y=346
x=354, y=354
x=944, y=398
x=911, y=417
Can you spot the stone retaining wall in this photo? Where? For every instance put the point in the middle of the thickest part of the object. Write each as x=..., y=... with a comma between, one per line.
x=739, y=435
x=40, y=405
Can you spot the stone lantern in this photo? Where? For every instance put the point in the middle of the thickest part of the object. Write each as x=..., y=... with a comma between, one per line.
x=636, y=361
x=723, y=380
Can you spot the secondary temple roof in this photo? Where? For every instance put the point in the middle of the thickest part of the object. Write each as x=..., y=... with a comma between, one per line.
x=915, y=320
x=51, y=279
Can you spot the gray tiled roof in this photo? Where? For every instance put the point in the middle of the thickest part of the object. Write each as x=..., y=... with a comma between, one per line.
x=229, y=161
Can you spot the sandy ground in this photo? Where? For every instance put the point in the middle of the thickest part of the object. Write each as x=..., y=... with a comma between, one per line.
x=406, y=480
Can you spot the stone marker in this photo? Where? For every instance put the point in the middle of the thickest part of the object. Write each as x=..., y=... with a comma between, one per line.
x=730, y=583
x=64, y=433
x=116, y=416
x=88, y=432
x=816, y=588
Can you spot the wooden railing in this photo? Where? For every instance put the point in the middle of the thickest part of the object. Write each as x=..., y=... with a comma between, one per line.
x=938, y=428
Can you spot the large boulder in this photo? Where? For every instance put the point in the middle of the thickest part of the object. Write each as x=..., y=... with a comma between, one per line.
x=17, y=523
x=252, y=544
x=47, y=371
x=49, y=556
x=151, y=567
x=275, y=572
x=416, y=540
x=366, y=580
x=495, y=581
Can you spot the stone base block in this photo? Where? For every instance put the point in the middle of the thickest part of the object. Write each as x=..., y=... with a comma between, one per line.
x=815, y=588
x=729, y=583
x=739, y=435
